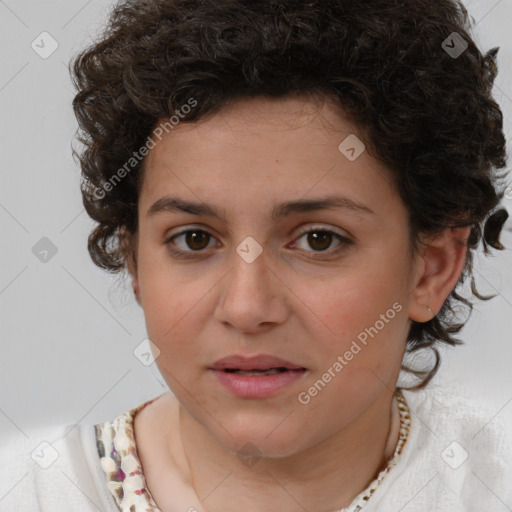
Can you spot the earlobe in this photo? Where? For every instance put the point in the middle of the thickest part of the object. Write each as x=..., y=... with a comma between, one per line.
x=440, y=265
x=128, y=246
x=132, y=271
x=136, y=290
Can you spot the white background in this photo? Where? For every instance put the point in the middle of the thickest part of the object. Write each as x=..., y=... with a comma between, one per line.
x=68, y=329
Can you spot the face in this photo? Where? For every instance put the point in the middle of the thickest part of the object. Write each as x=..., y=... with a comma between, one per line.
x=266, y=269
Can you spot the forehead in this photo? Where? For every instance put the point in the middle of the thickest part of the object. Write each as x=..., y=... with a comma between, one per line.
x=260, y=148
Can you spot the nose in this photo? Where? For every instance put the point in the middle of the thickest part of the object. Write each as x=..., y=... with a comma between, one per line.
x=252, y=297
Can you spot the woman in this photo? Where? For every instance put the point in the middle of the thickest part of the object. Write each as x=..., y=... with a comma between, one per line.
x=296, y=190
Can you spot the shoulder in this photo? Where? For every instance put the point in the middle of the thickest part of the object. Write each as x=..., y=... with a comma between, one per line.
x=49, y=468
x=451, y=414
x=57, y=468
x=458, y=456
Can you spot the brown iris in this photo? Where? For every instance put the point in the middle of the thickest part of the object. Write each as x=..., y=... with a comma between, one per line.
x=319, y=240
x=197, y=240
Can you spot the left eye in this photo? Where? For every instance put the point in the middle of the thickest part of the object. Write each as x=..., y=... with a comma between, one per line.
x=320, y=239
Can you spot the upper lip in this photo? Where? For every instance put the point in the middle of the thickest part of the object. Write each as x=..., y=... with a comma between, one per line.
x=260, y=362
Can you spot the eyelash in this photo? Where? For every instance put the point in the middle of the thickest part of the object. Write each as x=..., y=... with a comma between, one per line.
x=344, y=242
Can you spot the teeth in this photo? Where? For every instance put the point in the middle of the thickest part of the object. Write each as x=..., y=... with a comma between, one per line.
x=272, y=371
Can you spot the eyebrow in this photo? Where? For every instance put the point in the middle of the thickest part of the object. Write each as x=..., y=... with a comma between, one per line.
x=280, y=210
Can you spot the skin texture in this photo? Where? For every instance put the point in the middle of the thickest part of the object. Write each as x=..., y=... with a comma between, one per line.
x=293, y=302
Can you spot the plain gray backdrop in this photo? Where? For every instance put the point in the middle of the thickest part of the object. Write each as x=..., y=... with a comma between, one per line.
x=68, y=329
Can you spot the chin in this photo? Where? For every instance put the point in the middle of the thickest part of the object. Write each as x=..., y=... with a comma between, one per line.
x=261, y=438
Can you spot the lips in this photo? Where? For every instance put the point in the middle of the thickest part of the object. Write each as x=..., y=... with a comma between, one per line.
x=256, y=377
x=261, y=363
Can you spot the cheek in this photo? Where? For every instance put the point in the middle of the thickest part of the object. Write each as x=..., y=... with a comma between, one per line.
x=168, y=297
x=169, y=308
x=348, y=301
x=356, y=306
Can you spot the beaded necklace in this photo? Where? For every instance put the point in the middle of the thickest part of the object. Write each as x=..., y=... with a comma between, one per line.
x=125, y=480
x=405, y=423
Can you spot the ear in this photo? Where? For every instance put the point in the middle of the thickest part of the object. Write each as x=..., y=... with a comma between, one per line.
x=438, y=268
x=128, y=245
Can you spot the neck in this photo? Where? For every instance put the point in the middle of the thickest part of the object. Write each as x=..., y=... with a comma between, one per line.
x=325, y=476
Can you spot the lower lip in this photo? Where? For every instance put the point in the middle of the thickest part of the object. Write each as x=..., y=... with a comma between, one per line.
x=257, y=386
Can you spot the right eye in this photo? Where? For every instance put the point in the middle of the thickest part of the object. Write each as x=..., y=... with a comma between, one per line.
x=195, y=239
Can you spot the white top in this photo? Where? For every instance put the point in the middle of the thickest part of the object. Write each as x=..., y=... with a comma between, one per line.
x=457, y=458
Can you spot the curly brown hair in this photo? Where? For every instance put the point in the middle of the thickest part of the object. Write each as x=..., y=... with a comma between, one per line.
x=428, y=114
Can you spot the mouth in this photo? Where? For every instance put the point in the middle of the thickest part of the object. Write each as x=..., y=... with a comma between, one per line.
x=256, y=377
x=260, y=373
x=261, y=364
